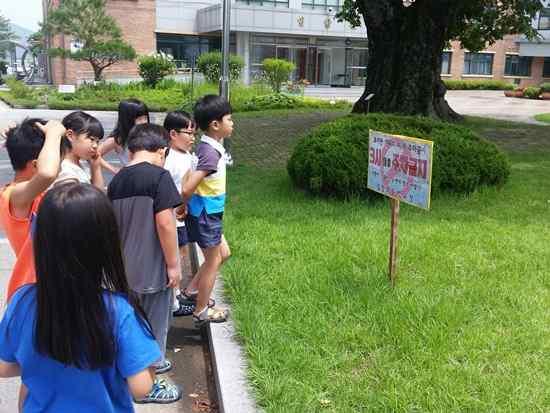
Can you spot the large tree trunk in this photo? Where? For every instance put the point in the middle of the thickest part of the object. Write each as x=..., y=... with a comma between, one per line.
x=405, y=48
x=98, y=72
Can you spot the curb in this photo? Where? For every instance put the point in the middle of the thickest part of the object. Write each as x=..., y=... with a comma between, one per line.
x=228, y=361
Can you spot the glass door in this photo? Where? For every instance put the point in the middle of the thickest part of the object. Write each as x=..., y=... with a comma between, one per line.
x=324, y=66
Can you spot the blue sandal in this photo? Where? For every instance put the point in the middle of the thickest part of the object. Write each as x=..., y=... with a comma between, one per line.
x=161, y=393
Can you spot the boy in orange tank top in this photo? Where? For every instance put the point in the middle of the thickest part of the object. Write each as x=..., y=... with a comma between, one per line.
x=34, y=151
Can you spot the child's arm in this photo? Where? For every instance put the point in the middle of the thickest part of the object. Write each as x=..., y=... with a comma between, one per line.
x=9, y=369
x=166, y=230
x=23, y=392
x=190, y=184
x=107, y=146
x=47, y=167
x=140, y=384
x=96, y=172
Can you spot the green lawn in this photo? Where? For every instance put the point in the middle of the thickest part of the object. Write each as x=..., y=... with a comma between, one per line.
x=543, y=117
x=466, y=328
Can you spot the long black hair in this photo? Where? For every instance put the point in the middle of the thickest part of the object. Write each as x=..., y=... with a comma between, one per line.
x=81, y=122
x=128, y=111
x=78, y=257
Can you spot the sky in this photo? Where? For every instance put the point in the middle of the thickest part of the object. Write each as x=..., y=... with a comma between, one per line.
x=25, y=13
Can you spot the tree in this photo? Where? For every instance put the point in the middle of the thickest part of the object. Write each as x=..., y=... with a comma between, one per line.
x=277, y=72
x=6, y=35
x=97, y=34
x=406, y=39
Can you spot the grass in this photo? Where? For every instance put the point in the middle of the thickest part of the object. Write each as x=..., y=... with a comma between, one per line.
x=543, y=117
x=466, y=328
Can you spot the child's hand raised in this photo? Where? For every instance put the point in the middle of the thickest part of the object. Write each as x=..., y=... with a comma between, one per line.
x=52, y=128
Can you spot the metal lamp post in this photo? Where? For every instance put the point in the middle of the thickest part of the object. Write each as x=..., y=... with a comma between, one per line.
x=224, y=80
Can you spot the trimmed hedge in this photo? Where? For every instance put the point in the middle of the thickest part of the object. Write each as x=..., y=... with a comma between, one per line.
x=532, y=92
x=333, y=159
x=478, y=85
x=286, y=101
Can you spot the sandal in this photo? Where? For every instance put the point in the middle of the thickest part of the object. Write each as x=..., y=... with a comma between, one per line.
x=184, y=309
x=187, y=299
x=210, y=315
x=162, y=393
x=164, y=368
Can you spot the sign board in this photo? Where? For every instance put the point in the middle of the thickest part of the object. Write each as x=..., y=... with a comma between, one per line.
x=401, y=168
x=66, y=88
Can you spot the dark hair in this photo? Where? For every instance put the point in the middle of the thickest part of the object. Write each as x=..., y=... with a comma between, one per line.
x=81, y=122
x=24, y=142
x=147, y=137
x=73, y=322
x=210, y=108
x=128, y=111
x=177, y=120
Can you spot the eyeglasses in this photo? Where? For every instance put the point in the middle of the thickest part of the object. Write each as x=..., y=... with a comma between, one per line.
x=187, y=131
x=166, y=152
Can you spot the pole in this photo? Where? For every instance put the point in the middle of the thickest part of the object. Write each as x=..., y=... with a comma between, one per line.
x=224, y=80
x=394, y=237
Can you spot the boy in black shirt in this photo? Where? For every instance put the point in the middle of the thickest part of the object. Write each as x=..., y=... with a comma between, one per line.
x=144, y=197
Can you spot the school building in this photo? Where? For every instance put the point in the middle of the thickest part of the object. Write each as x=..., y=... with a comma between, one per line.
x=326, y=52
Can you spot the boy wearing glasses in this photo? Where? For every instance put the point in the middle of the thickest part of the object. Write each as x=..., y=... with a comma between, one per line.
x=179, y=162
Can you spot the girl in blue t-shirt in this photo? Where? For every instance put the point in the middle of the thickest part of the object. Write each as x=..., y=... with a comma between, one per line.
x=77, y=338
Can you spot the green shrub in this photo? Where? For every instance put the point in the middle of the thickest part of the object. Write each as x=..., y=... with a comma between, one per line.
x=545, y=88
x=532, y=92
x=18, y=89
x=276, y=72
x=477, y=85
x=210, y=65
x=286, y=101
x=155, y=67
x=333, y=159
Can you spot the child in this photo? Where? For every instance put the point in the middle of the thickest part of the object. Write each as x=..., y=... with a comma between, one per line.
x=77, y=337
x=34, y=151
x=83, y=133
x=144, y=197
x=181, y=130
x=205, y=188
x=131, y=112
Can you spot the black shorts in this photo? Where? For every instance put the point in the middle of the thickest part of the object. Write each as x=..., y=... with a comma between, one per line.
x=183, y=239
x=206, y=229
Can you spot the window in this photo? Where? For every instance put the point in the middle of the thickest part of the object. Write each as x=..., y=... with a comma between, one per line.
x=186, y=49
x=272, y=3
x=322, y=4
x=546, y=67
x=517, y=65
x=544, y=19
x=446, y=63
x=478, y=63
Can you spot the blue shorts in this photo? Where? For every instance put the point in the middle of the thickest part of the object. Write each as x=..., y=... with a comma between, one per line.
x=183, y=239
x=206, y=229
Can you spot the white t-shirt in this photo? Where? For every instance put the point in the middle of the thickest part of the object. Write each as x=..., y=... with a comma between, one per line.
x=70, y=171
x=178, y=164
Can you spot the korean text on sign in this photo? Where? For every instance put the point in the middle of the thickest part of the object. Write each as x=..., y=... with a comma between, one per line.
x=401, y=168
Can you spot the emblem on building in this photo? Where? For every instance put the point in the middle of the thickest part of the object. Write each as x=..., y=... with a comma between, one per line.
x=301, y=21
x=328, y=22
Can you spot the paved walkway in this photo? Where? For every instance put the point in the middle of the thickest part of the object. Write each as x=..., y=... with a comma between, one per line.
x=483, y=103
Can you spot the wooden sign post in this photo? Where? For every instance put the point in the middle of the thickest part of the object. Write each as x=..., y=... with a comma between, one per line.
x=394, y=237
x=400, y=167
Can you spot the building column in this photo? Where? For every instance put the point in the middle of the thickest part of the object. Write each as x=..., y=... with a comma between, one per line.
x=243, y=50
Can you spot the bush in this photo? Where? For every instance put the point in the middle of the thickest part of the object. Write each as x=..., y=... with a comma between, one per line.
x=333, y=159
x=286, y=101
x=478, y=85
x=19, y=89
x=545, y=88
x=210, y=65
x=532, y=92
x=277, y=71
x=155, y=67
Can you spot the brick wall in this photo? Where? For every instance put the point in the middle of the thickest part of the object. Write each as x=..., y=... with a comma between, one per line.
x=499, y=51
x=137, y=20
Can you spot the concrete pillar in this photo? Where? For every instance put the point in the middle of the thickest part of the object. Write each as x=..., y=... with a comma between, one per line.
x=243, y=50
